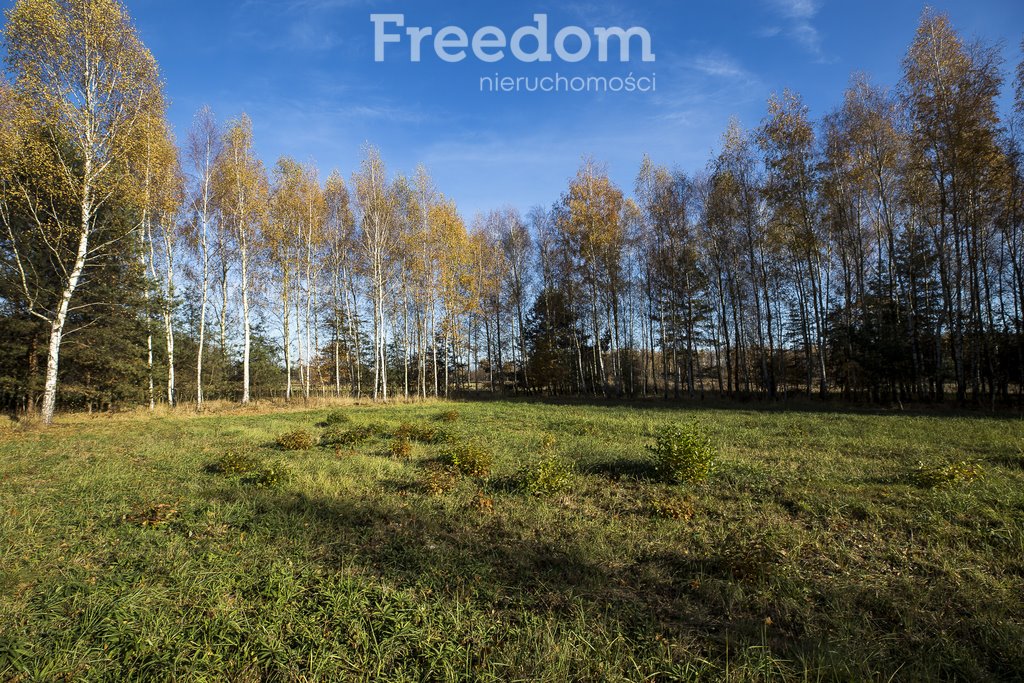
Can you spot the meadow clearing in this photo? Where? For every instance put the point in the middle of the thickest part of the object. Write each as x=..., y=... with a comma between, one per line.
x=850, y=545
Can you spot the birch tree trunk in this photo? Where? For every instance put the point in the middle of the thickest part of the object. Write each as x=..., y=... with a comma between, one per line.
x=205, y=257
x=57, y=327
x=146, y=266
x=246, y=328
x=169, y=311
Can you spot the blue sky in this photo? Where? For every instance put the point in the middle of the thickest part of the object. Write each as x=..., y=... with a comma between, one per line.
x=305, y=72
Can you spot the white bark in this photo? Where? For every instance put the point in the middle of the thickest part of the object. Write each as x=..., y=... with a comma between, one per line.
x=247, y=330
x=146, y=267
x=57, y=327
x=205, y=256
x=168, y=241
x=286, y=334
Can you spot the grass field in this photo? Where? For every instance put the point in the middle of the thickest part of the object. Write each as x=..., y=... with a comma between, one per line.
x=818, y=550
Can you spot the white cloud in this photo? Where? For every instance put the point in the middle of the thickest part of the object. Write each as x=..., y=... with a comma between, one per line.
x=799, y=19
x=718, y=65
x=797, y=9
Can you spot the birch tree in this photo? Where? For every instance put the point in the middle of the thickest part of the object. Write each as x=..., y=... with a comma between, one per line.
x=593, y=239
x=949, y=91
x=282, y=241
x=202, y=149
x=312, y=241
x=339, y=236
x=517, y=245
x=424, y=255
x=84, y=78
x=164, y=197
x=241, y=194
x=787, y=141
x=377, y=211
x=454, y=277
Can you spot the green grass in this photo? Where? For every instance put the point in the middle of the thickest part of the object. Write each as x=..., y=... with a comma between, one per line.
x=814, y=552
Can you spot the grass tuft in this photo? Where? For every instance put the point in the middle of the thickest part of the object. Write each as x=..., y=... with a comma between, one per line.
x=233, y=463
x=948, y=475
x=298, y=440
x=400, y=449
x=470, y=459
x=336, y=417
x=547, y=477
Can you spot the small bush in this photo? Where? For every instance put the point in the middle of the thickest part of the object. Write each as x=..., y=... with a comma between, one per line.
x=470, y=459
x=952, y=474
x=337, y=417
x=401, y=449
x=683, y=454
x=232, y=463
x=448, y=416
x=336, y=436
x=270, y=477
x=405, y=430
x=441, y=436
x=669, y=507
x=421, y=433
x=548, y=443
x=353, y=436
x=547, y=477
x=299, y=440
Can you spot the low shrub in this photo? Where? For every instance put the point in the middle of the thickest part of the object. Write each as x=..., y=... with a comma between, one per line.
x=336, y=417
x=683, y=454
x=548, y=443
x=405, y=431
x=298, y=440
x=444, y=436
x=424, y=434
x=270, y=477
x=336, y=436
x=546, y=477
x=943, y=476
x=232, y=463
x=401, y=449
x=439, y=480
x=469, y=459
x=352, y=437
x=448, y=416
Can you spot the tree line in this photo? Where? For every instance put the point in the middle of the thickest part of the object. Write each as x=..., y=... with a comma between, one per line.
x=874, y=254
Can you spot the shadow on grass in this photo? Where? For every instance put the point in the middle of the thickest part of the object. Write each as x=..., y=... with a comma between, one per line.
x=1009, y=461
x=623, y=468
x=718, y=599
x=761, y=404
x=509, y=484
x=427, y=547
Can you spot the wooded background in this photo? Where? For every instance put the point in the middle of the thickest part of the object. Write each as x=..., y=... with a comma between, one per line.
x=874, y=254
